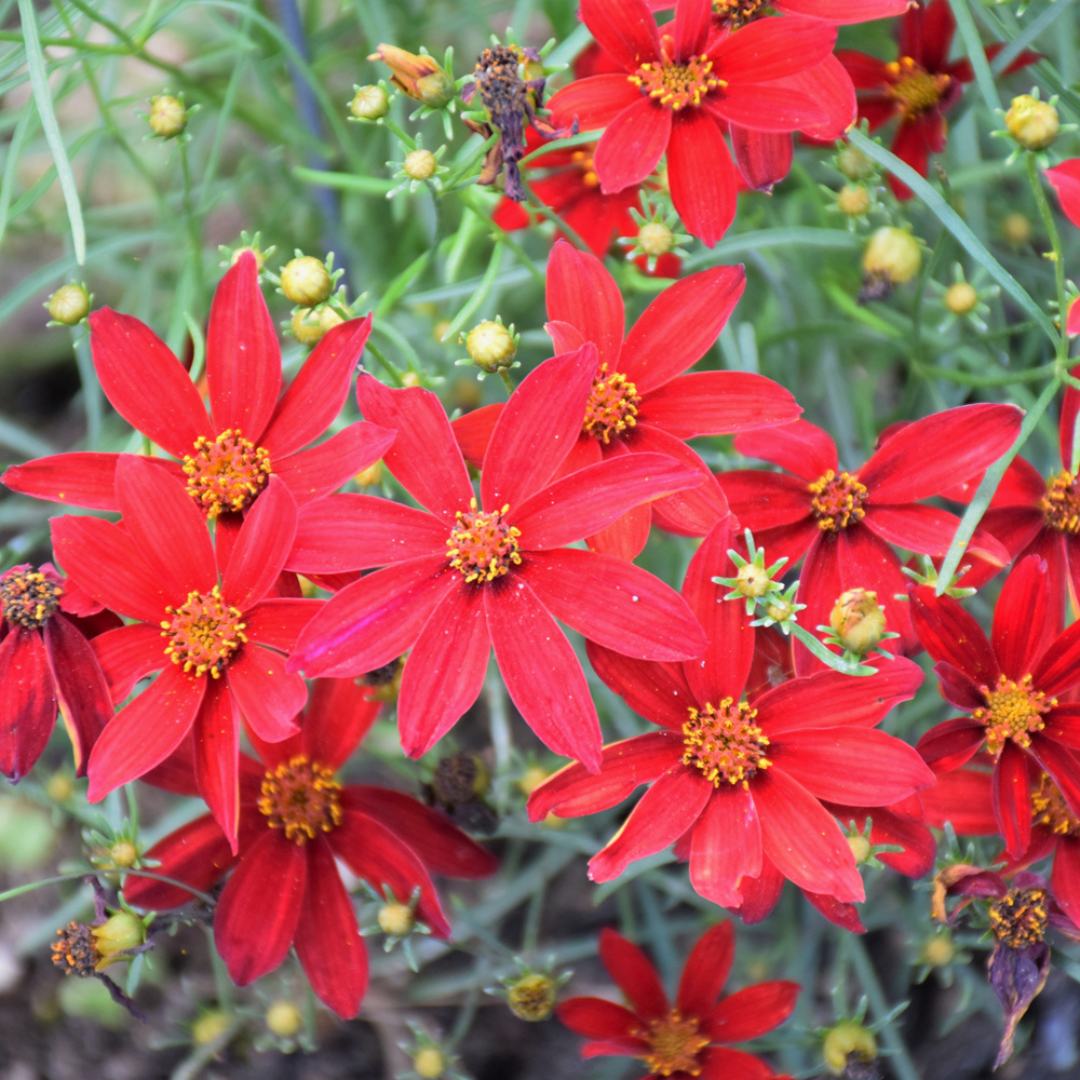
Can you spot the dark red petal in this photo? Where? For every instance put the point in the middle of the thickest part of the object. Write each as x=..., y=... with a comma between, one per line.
x=720, y=1063
x=659, y=692
x=78, y=479
x=725, y=850
x=473, y=430
x=593, y=102
x=703, y=179
x=129, y=654
x=624, y=28
x=763, y=157
x=707, y=969
x=146, y=732
x=445, y=672
x=1020, y=616
x=718, y=403
x=667, y=810
x=866, y=72
x=866, y=561
x=29, y=701
x=750, y=1013
x=760, y=894
x=338, y=716
x=256, y=917
x=902, y=825
x=216, y=740
x=950, y=633
x=964, y=798
x=278, y=622
x=625, y=538
x=1065, y=179
x=327, y=939
x=1012, y=799
x=310, y=474
x=424, y=456
x=1063, y=725
x=145, y=383
x=315, y=397
x=934, y=32
x=581, y=293
x=634, y=975
x=951, y=744
x=1066, y=877
x=243, y=358
x=541, y=672
x=632, y=145
x=1058, y=668
x=799, y=447
x=772, y=49
x=1062, y=765
x=911, y=144
x=596, y=1019
x=844, y=11
x=765, y=500
x=624, y=766
x=268, y=696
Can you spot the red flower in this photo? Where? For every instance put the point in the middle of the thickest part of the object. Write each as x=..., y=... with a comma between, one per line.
x=681, y=1041
x=845, y=522
x=741, y=782
x=740, y=12
x=1066, y=180
x=295, y=820
x=254, y=432
x=680, y=88
x=213, y=622
x=1010, y=685
x=640, y=399
x=46, y=663
x=507, y=574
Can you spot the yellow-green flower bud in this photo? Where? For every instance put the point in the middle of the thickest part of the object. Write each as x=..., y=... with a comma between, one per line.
x=961, y=298
x=846, y=1038
x=860, y=848
x=1034, y=124
x=853, y=200
x=369, y=103
x=532, y=997
x=260, y=258
x=858, y=620
x=60, y=787
x=168, y=117
x=306, y=281
x=491, y=346
x=210, y=1027
x=70, y=304
x=1016, y=228
x=429, y=1062
x=752, y=580
x=655, y=239
x=284, y=1019
x=396, y=920
x=123, y=854
x=419, y=76
x=939, y=951
x=531, y=779
x=121, y=932
x=370, y=476
x=854, y=164
x=420, y=165
x=893, y=254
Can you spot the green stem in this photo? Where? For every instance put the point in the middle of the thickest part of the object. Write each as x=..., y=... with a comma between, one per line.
x=507, y=381
x=900, y=1059
x=1057, y=257
x=968, y=378
x=194, y=231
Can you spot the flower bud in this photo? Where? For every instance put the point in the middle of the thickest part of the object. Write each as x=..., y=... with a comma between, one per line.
x=69, y=305
x=123, y=854
x=260, y=258
x=60, y=787
x=168, y=117
x=860, y=848
x=419, y=77
x=752, y=580
x=1016, y=228
x=410, y=378
x=655, y=239
x=893, y=254
x=370, y=476
x=531, y=779
x=780, y=610
x=1032, y=123
x=284, y=1019
x=210, y=1027
x=854, y=164
x=491, y=346
x=306, y=281
x=939, y=950
x=369, y=103
x=396, y=920
x=119, y=933
x=429, y=1062
x=848, y=1037
x=853, y=200
x=420, y=165
x=532, y=997
x=858, y=620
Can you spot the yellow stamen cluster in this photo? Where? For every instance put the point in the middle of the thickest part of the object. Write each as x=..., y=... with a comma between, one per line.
x=1014, y=710
x=1049, y=808
x=301, y=797
x=675, y=1044
x=1061, y=503
x=583, y=159
x=837, y=501
x=736, y=13
x=612, y=407
x=76, y=953
x=676, y=86
x=915, y=88
x=203, y=633
x=724, y=742
x=1019, y=919
x=28, y=598
x=483, y=546
x=226, y=473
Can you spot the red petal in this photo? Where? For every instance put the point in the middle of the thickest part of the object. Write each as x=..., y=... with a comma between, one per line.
x=820, y=586
x=773, y=49
x=951, y=744
x=831, y=89
x=707, y=969
x=950, y=633
x=750, y=1013
x=844, y=11
x=912, y=145
x=964, y=798
x=624, y=28
x=1063, y=725
x=779, y=107
x=866, y=72
x=667, y=810
x=763, y=157
x=633, y=974
x=316, y=395
x=725, y=850
x=581, y=293
x=718, y=403
x=327, y=939
x=658, y=692
x=1066, y=181
x=720, y=1063
x=916, y=527
x=256, y=917
x=278, y=622
x=678, y=328
x=1063, y=767
x=130, y=360
x=243, y=358
x=1020, y=617
x=632, y=145
x=760, y=894
x=129, y=654
x=693, y=20
x=144, y=733
x=702, y=176
x=269, y=697
x=473, y=430
x=798, y=447
x=310, y=474
x=593, y=102
x=446, y=669
x=78, y=479
x=596, y=1019
x=261, y=548
x=424, y=456
x=1058, y=668
x=338, y=716
x=1012, y=799
x=29, y=703
x=626, y=537
x=764, y=500
x=1066, y=877
x=567, y=338
x=932, y=33
x=216, y=740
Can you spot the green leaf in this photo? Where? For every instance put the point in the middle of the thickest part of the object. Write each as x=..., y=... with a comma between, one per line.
x=973, y=46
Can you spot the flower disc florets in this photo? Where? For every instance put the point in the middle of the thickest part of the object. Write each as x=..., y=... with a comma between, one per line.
x=28, y=598
x=226, y=473
x=1019, y=919
x=916, y=89
x=612, y=406
x=837, y=501
x=482, y=545
x=1014, y=710
x=203, y=633
x=301, y=797
x=1061, y=503
x=76, y=953
x=676, y=86
x=1049, y=808
x=674, y=1044
x=724, y=742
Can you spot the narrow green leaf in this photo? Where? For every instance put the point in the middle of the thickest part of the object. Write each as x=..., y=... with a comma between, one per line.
x=973, y=46
x=26, y=442
x=11, y=160
x=368, y=185
x=1030, y=32
x=398, y=286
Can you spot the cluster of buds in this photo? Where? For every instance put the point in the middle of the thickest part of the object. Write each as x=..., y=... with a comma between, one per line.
x=309, y=283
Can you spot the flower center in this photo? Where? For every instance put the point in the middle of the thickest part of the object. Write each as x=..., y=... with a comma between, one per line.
x=1049, y=808
x=725, y=743
x=76, y=953
x=28, y=598
x=483, y=546
x=837, y=501
x=583, y=159
x=226, y=473
x=736, y=13
x=1013, y=711
x=1019, y=918
x=301, y=797
x=677, y=85
x=674, y=1044
x=203, y=633
x=612, y=406
x=1061, y=503
x=916, y=90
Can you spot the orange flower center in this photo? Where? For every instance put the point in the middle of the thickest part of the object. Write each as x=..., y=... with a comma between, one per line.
x=675, y=86
x=203, y=633
x=612, y=406
x=737, y=13
x=1049, y=808
x=914, y=88
x=1019, y=919
x=226, y=473
x=725, y=743
x=674, y=1044
x=1061, y=503
x=1013, y=711
x=28, y=598
x=837, y=501
x=483, y=546
x=301, y=797
x=76, y=953
x=583, y=159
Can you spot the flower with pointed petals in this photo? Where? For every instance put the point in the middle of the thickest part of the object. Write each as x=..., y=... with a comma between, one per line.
x=741, y=782
x=46, y=664
x=1010, y=685
x=677, y=89
x=462, y=576
x=640, y=400
x=253, y=431
x=295, y=820
x=845, y=522
x=1066, y=180
x=208, y=628
x=737, y=13
x=690, y=1038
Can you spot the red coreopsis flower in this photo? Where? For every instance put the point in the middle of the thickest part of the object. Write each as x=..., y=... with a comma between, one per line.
x=209, y=629
x=462, y=576
x=641, y=401
x=741, y=782
x=1009, y=684
x=1066, y=180
x=739, y=12
x=295, y=820
x=46, y=664
x=844, y=522
x=688, y=1039
x=680, y=87
x=253, y=431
